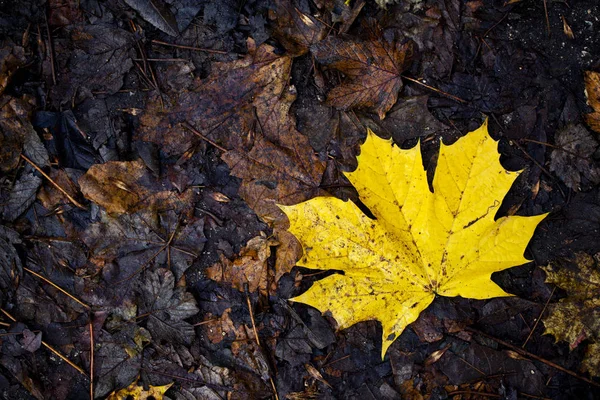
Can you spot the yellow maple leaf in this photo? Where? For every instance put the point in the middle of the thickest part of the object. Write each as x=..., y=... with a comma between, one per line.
x=137, y=392
x=421, y=244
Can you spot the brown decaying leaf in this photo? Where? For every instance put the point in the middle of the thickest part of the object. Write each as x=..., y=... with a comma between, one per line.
x=11, y=58
x=249, y=268
x=372, y=68
x=576, y=318
x=260, y=76
x=114, y=185
x=295, y=30
x=592, y=91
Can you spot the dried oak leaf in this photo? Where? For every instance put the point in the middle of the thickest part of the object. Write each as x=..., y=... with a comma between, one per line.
x=166, y=307
x=249, y=268
x=577, y=317
x=295, y=29
x=592, y=91
x=248, y=82
x=422, y=244
x=372, y=68
x=573, y=159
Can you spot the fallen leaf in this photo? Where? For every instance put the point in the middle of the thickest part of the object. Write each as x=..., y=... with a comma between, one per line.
x=576, y=318
x=21, y=196
x=166, y=307
x=137, y=392
x=573, y=159
x=422, y=244
x=250, y=81
x=592, y=92
x=12, y=57
x=157, y=13
x=372, y=68
x=249, y=268
x=114, y=185
x=296, y=30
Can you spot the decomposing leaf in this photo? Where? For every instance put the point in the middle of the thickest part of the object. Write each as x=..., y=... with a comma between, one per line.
x=249, y=268
x=137, y=392
x=576, y=318
x=422, y=244
x=11, y=267
x=166, y=307
x=21, y=195
x=250, y=81
x=157, y=13
x=12, y=57
x=573, y=159
x=114, y=185
x=372, y=67
x=295, y=29
x=592, y=91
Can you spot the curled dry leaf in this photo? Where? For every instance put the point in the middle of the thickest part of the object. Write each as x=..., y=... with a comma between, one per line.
x=421, y=244
x=576, y=318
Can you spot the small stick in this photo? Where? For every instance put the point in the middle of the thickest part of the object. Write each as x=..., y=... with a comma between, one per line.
x=455, y=98
x=50, y=51
x=91, y=360
x=547, y=18
x=256, y=337
x=56, y=286
x=195, y=132
x=537, y=321
x=179, y=46
x=56, y=185
x=531, y=355
x=52, y=349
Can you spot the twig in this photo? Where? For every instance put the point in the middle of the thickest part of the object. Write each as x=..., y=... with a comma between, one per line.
x=50, y=50
x=179, y=46
x=91, y=360
x=547, y=18
x=67, y=195
x=537, y=321
x=52, y=349
x=256, y=337
x=450, y=96
x=531, y=355
x=56, y=287
x=195, y=132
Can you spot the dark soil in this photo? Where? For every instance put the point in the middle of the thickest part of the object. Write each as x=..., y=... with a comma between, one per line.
x=87, y=82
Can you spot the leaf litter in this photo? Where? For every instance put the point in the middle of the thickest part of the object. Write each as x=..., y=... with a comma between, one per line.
x=134, y=163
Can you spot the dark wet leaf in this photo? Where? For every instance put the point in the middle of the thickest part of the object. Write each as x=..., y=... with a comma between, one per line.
x=11, y=267
x=20, y=196
x=18, y=136
x=11, y=58
x=573, y=159
x=95, y=60
x=295, y=27
x=166, y=307
x=31, y=341
x=372, y=68
x=251, y=81
x=156, y=13
x=68, y=143
x=118, y=358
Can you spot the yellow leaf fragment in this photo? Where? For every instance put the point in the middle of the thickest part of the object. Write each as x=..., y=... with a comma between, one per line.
x=134, y=391
x=421, y=244
x=576, y=318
